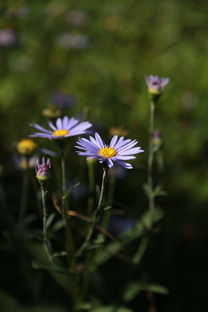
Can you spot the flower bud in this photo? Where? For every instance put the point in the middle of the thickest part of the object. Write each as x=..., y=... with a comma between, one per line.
x=42, y=169
x=156, y=85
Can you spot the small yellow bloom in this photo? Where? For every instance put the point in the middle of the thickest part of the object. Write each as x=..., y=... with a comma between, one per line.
x=26, y=146
x=118, y=131
x=51, y=112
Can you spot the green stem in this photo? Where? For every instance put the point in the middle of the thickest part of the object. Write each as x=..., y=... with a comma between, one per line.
x=96, y=215
x=63, y=174
x=45, y=237
x=150, y=163
x=151, y=200
x=110, y=197
x=90, y=166
x=141, y=250
x=68, y=234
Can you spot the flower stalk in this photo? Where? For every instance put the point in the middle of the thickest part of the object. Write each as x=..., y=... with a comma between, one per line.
x=46, y=244
x=96, y=215
x=68, y=234
x=150, y=162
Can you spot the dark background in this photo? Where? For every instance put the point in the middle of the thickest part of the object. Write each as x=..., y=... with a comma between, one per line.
x=99, y=52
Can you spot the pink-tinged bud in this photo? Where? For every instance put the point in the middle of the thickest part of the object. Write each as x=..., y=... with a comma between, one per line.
x=42, y=169
x=156, y=84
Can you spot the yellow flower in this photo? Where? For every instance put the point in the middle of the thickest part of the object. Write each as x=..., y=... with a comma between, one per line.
x=117, y=131
x=51, y=112
x=26, y=146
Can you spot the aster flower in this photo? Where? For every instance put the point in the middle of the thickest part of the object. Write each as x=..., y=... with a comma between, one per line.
x=118, y=150
x=42, y=169
x=156, y=84
x=65, y=127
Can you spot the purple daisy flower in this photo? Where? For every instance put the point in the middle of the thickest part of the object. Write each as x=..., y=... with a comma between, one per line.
x=42, y=169
x=65, y=127
x=156, y=84
x=118, y=150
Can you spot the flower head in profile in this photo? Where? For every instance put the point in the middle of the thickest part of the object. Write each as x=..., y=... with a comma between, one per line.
x=62, y=100
x=42, y=169
x=65, y=127
x=156, y=84
x=119, y=150
x=26, y=146
x=51, y=111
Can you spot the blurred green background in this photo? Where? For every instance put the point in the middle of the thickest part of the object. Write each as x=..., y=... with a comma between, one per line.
x=99, y=52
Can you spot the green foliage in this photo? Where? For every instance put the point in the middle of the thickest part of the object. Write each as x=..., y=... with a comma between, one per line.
x=134, y=288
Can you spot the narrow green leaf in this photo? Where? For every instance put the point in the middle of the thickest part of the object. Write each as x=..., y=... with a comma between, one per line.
x=50, y=220
x=107, y=208
x=58, y=225
x=62, y=253
x=70, y=189
x=158, y=289
x=134, y=288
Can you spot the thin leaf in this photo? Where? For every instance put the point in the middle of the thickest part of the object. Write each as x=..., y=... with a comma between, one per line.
x=107, y=208
x=58, y=225
x=50, y=220
x=134, y=288
x=62, y=253
x=70, y=189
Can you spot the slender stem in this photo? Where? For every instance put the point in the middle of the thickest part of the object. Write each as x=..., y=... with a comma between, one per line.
x=90, y=166
x=45, y=237
x=96, y=216
x=110, y=197
x=151, y=200
x=63, y=174
x=68, y=234
x=150, y=162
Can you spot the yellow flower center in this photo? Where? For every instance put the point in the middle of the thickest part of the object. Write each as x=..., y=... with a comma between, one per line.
x=154, y=91
x=26, y=146
x=61, y=132
x=107, y=152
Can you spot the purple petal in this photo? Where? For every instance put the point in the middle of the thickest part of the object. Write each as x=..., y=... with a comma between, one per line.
x=124, y=164
x=135, y=150
x=109, y=163
x=113, y=141
x=52, y=126
x=71, y=123
x=36, y=126
x=99, y=140
x=59, y=124
x=121, y=142
x=125, y=157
